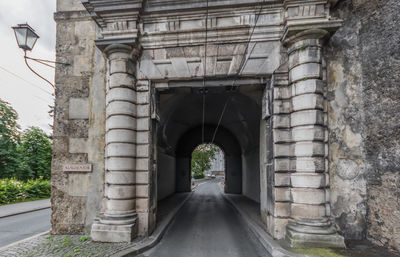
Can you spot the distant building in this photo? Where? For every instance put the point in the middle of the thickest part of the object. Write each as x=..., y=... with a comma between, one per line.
x=217, y=164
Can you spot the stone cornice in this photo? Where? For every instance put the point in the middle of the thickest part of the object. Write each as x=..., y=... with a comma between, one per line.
x=173, y=5
x=307, y=15
x=117, y=19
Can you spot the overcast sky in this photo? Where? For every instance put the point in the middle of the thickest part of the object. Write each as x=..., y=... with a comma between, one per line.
x=28, y=94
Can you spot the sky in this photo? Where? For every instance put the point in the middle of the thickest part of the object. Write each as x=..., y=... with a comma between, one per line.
x=29, y=95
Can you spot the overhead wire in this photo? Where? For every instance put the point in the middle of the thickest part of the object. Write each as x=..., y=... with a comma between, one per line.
x=242, y=65
x=204, y=77
x=21, y=78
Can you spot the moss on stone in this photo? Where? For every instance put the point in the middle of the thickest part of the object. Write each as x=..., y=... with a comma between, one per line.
x=321, y=252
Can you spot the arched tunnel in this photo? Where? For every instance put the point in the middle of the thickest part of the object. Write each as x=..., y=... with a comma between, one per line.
x=181, y=129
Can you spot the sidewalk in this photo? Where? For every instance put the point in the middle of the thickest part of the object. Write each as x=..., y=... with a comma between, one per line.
x=19, y=208
x=80, y=245
x=250, y=212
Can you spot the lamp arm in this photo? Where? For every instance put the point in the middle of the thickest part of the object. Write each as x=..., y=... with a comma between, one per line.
x=37, y=74
x=42, y=60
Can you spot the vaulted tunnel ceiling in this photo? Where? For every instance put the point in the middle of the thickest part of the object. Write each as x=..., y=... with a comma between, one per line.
x=182, y=109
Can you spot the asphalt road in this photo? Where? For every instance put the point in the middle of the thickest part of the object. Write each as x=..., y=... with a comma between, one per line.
x=207, y=225
x=18, y=227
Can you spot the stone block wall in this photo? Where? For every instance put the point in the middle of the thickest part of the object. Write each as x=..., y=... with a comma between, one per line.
x=79, y=121
x=364, y=110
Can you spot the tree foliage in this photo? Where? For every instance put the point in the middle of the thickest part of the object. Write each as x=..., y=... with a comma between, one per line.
x=24, y=155
x=9, y=140
x=201, y=159
x=35, y=150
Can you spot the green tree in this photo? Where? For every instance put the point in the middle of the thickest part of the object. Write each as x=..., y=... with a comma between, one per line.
x=35, y=150
x=201, y=159
x=9, y=139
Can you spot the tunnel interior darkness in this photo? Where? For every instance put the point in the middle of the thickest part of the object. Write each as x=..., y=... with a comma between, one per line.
x=180, y=131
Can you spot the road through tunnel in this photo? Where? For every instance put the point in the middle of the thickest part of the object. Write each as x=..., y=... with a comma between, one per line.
x=190, y=116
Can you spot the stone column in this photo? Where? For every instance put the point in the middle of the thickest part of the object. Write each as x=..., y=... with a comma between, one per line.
x=310, y=180
x=118, y=222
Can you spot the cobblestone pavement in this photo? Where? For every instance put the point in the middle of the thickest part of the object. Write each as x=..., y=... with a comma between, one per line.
x=65, y=246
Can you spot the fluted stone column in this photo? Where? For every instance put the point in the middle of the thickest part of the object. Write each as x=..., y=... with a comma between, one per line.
x=118, y=223
x=310, y=180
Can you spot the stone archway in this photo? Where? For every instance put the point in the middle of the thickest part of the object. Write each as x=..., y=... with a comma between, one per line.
x=147, y=53
x=226, y=141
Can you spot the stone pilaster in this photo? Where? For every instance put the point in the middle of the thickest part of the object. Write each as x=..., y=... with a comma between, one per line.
x=310, y=180
x=118, y=223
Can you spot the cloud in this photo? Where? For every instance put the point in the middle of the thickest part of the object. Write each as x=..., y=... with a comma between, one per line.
x=31, y=103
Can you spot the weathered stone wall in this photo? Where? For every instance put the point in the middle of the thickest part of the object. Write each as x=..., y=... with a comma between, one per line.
x=364, y=94
x=78, y=122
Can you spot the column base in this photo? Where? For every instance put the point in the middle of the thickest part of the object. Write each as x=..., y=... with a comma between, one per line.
x=310, y=233
x=112, y=233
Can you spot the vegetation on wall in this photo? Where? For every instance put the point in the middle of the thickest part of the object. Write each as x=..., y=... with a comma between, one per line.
x=201, y=159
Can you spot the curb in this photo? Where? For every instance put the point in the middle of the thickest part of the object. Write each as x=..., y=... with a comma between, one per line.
x=23, y=240
x=23, y=212
x=273, y=248
x=155, y=238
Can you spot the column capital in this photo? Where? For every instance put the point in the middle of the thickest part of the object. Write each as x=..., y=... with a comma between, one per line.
x=132, y=50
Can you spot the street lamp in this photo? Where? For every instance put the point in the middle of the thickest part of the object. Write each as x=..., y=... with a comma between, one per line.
x=26, y=36
x=26, y=40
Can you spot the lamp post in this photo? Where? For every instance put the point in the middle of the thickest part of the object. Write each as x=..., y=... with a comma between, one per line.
x=26, y=39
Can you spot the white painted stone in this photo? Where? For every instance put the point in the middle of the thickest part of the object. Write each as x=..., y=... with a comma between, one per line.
x=308, y=195
x=143, y=124
x=307, y=55
x=120, y=108
x=121, y=205
x=122, y=65
x=281, y=209
x=142, y=191
x=121, y=135
x=116, y=177
x=281, y=121
x=142, y=177
x=142, y=164
x=281, y=150
x=142, y=150
x=120, y=191
x=307, y=211
x=120, y=164
x=308, y=149
x=121, y=94
x=310, y=164
x=142, y=97
x=120, y=122
x=143, y=110
x=282, y=106
x=308, y=117
x=282, y=164
x=281, y=93
x=282, y=179
x=78, y=108
x=308, y=101
x=282, y=193
x=120, y=150
x=281, y=136
x=142, y=137
x=122, y=80
x=308, y=180
x=142, y=204
x=113, y=233
x=308, y=86
x=78, y=145
x=305, y=71
x=308, y=133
